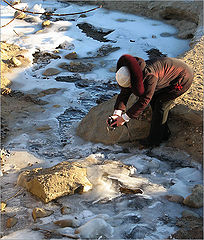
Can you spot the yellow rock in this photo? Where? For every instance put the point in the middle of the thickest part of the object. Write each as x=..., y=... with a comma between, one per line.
x=19, y=15
x=3, y=205
x=41, y=213
x=46, y=23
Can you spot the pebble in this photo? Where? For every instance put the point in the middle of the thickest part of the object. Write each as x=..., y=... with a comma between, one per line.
x=72, y=55
x=46, y=23
x=51, y=72
x=56, y=106
x=19, y=15
x=43, y=128
x=66, y=45
x=175, y=198
x=41, y=213
x=65, y=210
x=3, y=205
x=11, y=222
x=67, y=223
x=15, y=62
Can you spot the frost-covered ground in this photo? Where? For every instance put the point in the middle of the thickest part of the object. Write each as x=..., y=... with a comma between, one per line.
x=112, y=215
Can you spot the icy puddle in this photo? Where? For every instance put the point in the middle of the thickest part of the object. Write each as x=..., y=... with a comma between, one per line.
x=129, y=186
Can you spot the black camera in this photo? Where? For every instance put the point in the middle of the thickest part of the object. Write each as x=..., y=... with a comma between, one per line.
x=111, y=120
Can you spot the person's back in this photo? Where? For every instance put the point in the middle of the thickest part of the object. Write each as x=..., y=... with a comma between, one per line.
x=168, y=71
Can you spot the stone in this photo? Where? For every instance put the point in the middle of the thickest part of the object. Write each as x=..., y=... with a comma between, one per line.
x=88, y=128
x=65, y=210
x=11, y=222
x=48, y=92
x=51, y=72
x=43, y=128
x=63, y=65
x=105, y=50
x=195, y=199
x=72, y=55
x=80, y=67
x=66, y=45
x=14, y=61
x=19, y=15
x=67, y=223
x=41, y=213
x=56, y=106
x=46, y=23
x=175, y=198
x=3, y=205
x=50, y=183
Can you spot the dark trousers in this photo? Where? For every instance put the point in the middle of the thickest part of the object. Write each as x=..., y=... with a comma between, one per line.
x=161, y=104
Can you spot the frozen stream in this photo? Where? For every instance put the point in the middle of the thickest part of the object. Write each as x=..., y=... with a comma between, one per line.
x=99, y=38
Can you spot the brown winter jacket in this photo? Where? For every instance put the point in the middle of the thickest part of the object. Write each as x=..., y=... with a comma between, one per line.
x=169, y=74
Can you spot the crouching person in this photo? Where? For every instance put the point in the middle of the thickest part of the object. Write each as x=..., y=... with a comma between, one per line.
x=157, y=82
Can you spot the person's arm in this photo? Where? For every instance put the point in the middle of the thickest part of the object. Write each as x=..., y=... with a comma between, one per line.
x=122, y=99
x=143, y=101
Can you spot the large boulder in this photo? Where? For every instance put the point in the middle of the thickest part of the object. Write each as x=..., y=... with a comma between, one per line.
x=50, y=183
x=94, y=127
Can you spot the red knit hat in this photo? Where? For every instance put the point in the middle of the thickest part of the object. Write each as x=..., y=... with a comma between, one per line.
x=135, y=72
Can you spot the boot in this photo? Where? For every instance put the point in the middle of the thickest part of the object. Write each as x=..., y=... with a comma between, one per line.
x=145, y=142
x=166, y=133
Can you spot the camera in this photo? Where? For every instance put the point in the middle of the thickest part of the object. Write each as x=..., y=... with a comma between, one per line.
x=111, y=120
